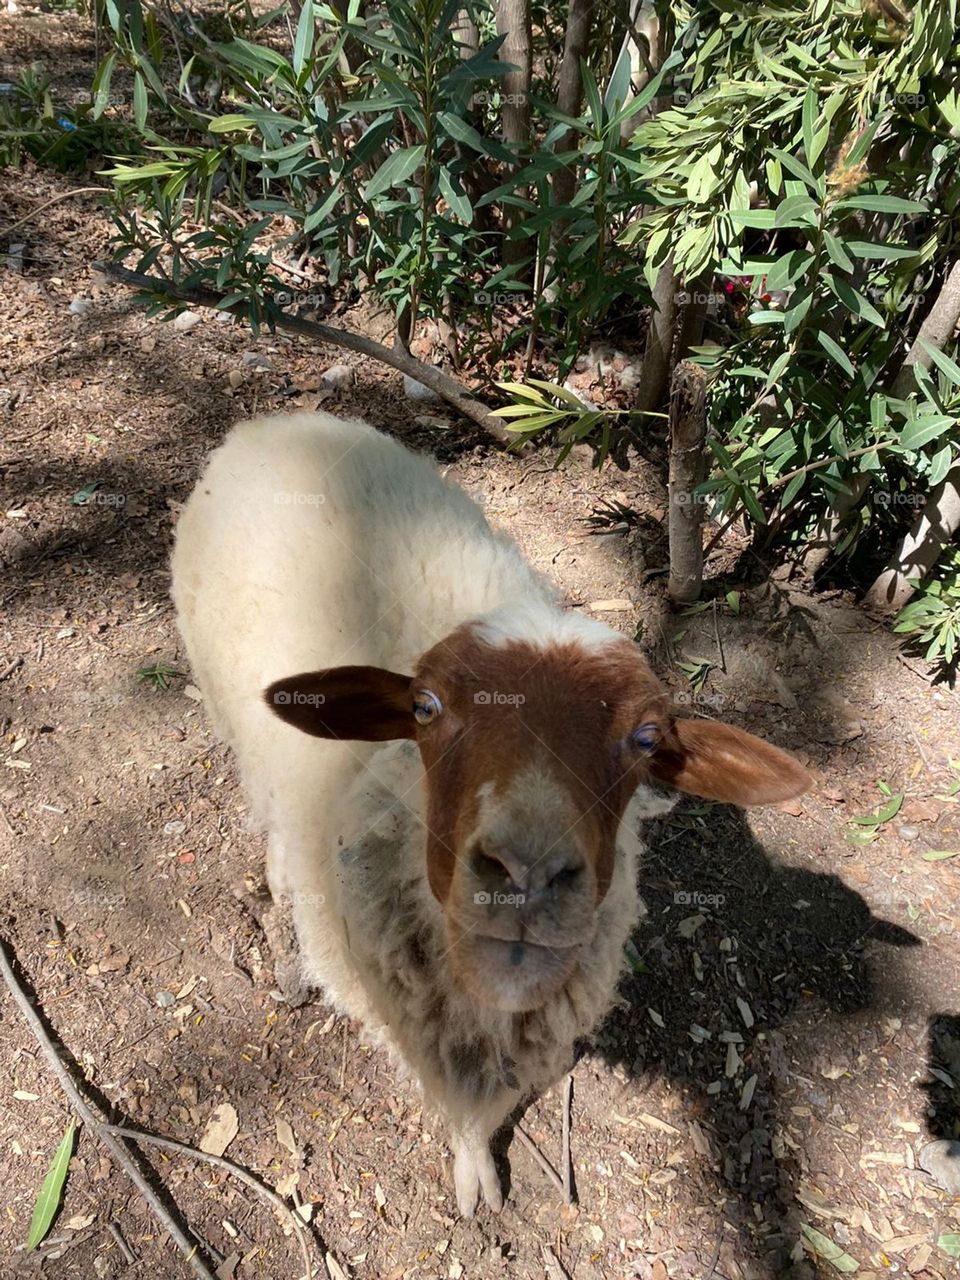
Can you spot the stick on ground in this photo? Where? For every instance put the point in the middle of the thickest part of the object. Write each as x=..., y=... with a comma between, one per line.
x=101, y=1131
x=435, y=379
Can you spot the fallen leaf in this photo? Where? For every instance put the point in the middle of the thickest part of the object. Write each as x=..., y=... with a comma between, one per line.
x=285, y=1136
x=222, y=1127
x=825, y=1248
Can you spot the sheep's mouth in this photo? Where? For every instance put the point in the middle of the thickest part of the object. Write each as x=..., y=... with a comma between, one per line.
x=513, y=976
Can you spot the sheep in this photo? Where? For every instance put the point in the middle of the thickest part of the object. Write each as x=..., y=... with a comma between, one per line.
x=450, y=767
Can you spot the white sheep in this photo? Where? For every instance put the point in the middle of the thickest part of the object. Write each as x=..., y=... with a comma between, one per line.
x=452, y=786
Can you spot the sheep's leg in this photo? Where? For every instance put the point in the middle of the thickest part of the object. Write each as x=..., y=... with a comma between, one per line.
x=474, y=1172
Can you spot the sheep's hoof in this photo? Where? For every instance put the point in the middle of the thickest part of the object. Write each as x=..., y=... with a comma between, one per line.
x=474, y=1172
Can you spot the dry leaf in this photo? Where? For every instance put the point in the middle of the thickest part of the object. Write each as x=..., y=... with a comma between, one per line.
x=222, y=1127
x=285, y=1136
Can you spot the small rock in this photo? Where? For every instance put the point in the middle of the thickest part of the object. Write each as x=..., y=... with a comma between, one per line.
x=339, y=376
x=414, y=390
x=80, y=306
x=193, y=693
x=176, y=828
x=148, y=343
x=254, y=360
x=186, y=320
x=235, y=378
x=14, y=258
x=908, y=833
x=226, y=317
x=941, y=1160
x=165, y=999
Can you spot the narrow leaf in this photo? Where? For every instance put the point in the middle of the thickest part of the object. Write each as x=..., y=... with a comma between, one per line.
x=48, y=1201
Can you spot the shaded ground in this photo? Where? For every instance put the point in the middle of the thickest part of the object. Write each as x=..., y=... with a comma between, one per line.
x=769, y=1062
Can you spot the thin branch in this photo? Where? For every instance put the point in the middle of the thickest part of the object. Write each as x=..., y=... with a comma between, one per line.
x=235, y=1170
x=100, y=1130
x=446, y=387
x=540, y=1158
x=64, y=195
x=790, y=475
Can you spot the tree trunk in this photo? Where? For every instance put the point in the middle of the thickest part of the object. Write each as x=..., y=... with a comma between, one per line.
x=658, y=352
x=513, y=20
x=688, y=431
x=919, y=551
x=570, y=91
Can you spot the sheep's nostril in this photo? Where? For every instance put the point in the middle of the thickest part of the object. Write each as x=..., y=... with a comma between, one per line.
x=498, y=871
x=566, y=878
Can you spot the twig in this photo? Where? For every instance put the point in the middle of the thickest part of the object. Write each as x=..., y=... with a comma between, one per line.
x=122, y=1245
x=540, y=1158
x=11, y=666
x=719, y=642
x=567, y=1161
x=711, y=1268
x=64, y=195
x=167, y=1144
x=100, y=1130
x=435, y=379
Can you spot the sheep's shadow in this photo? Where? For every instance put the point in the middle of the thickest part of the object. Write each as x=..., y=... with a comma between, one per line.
x=943, y=1087
x=736, y=942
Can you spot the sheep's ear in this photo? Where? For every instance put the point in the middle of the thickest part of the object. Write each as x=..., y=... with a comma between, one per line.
x=718, y=762
x=362, y=704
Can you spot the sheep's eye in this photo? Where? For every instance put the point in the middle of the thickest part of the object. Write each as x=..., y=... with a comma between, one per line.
x=646, y=737
x=426, y=706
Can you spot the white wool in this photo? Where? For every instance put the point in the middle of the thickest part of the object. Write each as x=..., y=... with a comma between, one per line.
x=312, y=542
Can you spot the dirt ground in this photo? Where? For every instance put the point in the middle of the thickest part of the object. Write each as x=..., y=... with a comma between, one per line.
x=787, y=1039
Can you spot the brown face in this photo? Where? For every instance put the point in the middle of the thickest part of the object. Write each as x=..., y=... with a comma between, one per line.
x=531, y=754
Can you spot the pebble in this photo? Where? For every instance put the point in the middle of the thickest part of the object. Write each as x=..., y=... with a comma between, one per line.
x=909, y=833
x=80, y=306
x=14, y=258
x=254, y=360
x=941, y=1159
x=186, y=320
x=339, y=376
x=175, y=828
x=414, y=390
x=165, y=999
x=235, y=378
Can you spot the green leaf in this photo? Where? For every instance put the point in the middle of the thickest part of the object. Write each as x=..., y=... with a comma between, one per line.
x=733, y=601
x=826, y=1248
x=48, y=1201
x=140, y=102
x=950, y=1243
x=837, y=252
x=880, y=204
x=939, y=855
x=395, y=169
x=885, y=252
x=943, y=362
x=230, y=123
x=836, y=353
x=919, y=431
x=795, y=211
x=303, y=44
x=83, y=496
x=101, y=85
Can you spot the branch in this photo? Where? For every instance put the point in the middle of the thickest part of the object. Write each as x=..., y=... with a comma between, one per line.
x=64, y=195
x=100, y=1130
x=235, y=1170
x=444, y=386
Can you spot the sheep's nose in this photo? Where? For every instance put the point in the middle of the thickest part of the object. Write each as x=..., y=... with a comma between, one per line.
x=512, y=870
